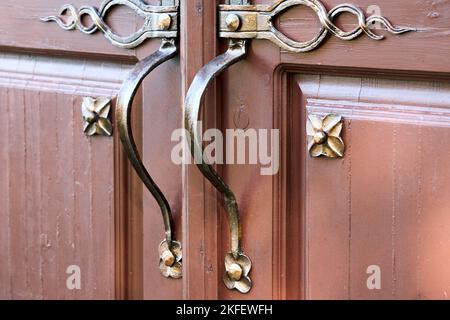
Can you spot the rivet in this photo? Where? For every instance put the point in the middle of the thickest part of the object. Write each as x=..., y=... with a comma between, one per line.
x=233, y=22
x=164, y=21
x=168, y=258
x=235, y=272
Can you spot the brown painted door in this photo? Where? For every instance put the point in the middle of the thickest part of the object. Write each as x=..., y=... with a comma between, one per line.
x=373, y=224
x=319, y=228
x=70, y=204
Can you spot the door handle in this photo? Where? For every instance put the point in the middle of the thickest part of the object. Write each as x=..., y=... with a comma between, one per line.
x=161, y=21
x=239, y=22
x=170, y=250
x=237, y=264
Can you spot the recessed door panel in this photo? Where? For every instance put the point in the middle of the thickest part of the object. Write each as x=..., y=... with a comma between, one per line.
x=381, y=210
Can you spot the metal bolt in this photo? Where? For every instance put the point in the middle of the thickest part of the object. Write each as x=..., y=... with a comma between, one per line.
x=164, y=21
x=233, y=22
x=235, y=272
x=168, y=258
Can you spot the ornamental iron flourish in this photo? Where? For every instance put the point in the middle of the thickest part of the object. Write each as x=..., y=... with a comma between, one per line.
x=159, y=21
x=256, y=22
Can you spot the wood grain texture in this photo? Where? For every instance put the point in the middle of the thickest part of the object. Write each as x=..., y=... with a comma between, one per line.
x=59, y=208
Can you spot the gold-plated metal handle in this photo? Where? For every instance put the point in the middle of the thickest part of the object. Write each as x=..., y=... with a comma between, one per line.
x=160, y=21
x=240, y=21
x=170, y=250
x=237, y=264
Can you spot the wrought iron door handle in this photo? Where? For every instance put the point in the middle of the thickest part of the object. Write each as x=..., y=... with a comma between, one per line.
x=239, y=21
x=161, y=21
x=237, y=264
x=170, y=250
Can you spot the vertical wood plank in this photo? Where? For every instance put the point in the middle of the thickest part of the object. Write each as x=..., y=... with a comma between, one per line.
x=49, y=150
x=198, y=18
x=5, y=255
x=17, y=158
x=373, y=212
x=434, y=223
x=34, y=194
x=407, y=196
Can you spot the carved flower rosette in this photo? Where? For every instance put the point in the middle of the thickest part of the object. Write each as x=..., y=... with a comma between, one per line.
x=96, y=116
x=237, y=271
x=324, y=136
x=170, y=260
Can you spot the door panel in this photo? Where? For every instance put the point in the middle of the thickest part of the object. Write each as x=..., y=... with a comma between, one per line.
x=57, y=185
x=384, y=204
x=314, y=229
x=82, y=203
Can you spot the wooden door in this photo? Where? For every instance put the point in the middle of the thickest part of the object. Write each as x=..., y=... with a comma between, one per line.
x=68, y=200
x=318, y=229
x=323, y=228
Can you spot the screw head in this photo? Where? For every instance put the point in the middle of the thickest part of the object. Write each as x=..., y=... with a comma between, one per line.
x=233, y=22
x=164, y=21
x=235, y=272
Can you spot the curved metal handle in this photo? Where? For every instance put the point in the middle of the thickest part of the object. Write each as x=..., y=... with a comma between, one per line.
x=170, y=250
x=237, y=264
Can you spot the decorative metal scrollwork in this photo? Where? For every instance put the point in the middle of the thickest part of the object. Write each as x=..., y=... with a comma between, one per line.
x=159, y=21
x=256, y=22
